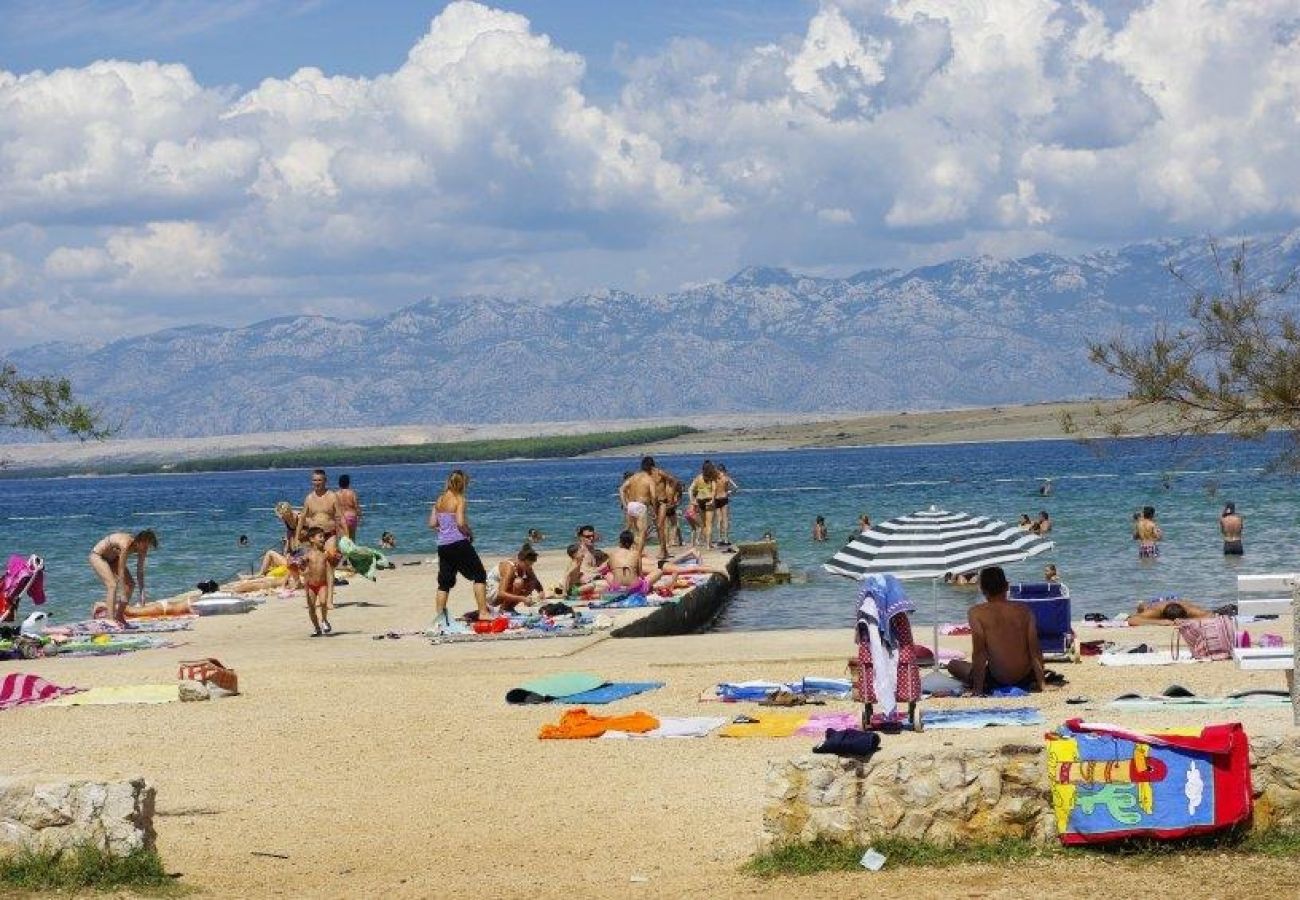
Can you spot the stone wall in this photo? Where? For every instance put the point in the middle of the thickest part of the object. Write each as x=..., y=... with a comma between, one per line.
x=57, y=813
x=959, y=794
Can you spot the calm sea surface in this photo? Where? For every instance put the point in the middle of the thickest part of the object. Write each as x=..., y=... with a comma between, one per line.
x=1096, y=488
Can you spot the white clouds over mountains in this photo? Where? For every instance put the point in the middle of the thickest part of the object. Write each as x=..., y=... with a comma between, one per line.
x=887, y=132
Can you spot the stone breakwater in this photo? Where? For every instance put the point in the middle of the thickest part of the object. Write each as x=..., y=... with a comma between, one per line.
x=965, y=794
x=53, y=813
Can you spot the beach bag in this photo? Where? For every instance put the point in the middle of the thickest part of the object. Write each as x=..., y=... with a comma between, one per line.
x=1208, y=638
x=1108, y=783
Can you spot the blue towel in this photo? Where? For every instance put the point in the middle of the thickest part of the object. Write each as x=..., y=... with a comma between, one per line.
x=982, y=718
x=630, y=601
x=608, y=693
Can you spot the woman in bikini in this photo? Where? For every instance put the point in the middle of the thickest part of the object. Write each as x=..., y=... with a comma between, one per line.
x=702, y=491
x=350, y=505
x=513, y=582
x=723, y=490
x=109, y=559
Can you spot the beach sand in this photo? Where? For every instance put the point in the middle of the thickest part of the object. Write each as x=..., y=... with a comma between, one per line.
x=395, y=768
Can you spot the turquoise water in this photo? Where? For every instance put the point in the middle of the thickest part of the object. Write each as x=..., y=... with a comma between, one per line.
x=1096, y=489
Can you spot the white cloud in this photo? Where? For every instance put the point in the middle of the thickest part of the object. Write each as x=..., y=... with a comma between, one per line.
x=884, y=132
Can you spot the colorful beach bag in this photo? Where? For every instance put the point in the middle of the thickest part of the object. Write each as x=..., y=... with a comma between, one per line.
x=1210, y=638
x=1109, y=783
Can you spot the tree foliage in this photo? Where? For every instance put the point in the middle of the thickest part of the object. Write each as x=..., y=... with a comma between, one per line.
x=46, y=405
x=1233, y=367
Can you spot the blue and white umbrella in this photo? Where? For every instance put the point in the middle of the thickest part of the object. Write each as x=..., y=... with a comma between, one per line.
x=931, y=544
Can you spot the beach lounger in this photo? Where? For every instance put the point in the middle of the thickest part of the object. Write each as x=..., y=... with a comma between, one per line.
x=1049, y=601
x=1279, y=585
x=1280, y=659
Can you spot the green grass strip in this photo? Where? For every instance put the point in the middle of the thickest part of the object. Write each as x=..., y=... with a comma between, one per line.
x=541, y=447
x=86, y=868
x=829, y=856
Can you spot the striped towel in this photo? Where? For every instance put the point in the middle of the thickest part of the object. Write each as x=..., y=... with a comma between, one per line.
x=18, y=689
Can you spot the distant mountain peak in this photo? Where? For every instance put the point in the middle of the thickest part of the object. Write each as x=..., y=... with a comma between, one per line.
x=763, y=276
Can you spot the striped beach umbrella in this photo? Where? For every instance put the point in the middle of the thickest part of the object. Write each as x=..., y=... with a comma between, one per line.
x=933, y=543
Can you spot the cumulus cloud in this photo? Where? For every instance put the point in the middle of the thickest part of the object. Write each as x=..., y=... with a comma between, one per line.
x=886, y=131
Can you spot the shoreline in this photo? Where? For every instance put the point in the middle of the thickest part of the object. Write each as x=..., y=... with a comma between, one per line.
x=711, y=434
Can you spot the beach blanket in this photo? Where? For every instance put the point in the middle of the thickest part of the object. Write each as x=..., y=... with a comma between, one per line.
x=1110, y=783
x=631, y=601
x=93, y=627
x=808, y=686
x=17, y=689
x=107, y=645
x=121, y=695
x=1157, y=658
x=766, y=724
x=578, y=723
x=987, y=717
x=1279, y=700
x=673, y=727
x=608, y=693
x=553, y=687
x=818, y=723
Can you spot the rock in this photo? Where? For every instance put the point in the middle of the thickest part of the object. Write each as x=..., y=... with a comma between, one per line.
x=59, y=813
x=194, y=690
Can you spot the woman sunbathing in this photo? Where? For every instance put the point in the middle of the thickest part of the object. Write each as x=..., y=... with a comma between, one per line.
x=1167, y=612
x=152, y=610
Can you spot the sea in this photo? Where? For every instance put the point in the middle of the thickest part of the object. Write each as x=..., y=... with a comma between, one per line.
x=1096, y=487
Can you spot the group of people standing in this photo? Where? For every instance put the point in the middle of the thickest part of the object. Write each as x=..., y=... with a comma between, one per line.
x=651, y=497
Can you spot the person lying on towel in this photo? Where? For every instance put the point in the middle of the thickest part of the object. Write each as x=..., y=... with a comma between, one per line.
x=1167, y=612
x=1004, y=640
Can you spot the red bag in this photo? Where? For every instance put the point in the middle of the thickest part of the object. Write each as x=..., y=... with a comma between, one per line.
x=1209, y=638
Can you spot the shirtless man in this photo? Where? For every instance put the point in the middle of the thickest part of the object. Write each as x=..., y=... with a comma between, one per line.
x=321, y=509
x=1004, y=639
x=1043, y=525
x=109, y=559
x=1231, y=526
x=668, y=493
x=639, y=494
x=1148, y=534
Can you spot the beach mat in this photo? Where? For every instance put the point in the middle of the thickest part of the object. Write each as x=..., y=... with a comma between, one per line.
x=122, y=695
x=1158, y=658
x=554, y=687
x=1258, y=701
x=818, y=723
x=18, y=689
x=673, y=727
x=986, y=717
x=608, y=693
x=768, y=724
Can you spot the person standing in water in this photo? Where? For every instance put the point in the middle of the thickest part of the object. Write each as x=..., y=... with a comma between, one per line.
x=109, y=559
x=722, y=492
x=819, y=528
x=1231, y=526
x=456, y=553
x=1148, y=534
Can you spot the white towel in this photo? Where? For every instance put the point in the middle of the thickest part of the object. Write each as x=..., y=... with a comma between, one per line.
x=884, y=669
x=673, y=727
x=1159, y=658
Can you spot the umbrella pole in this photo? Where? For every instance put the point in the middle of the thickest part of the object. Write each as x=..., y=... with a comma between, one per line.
x=934, y=607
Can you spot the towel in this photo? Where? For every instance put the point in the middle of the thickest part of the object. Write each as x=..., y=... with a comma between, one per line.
x=881, y=598
x=578, y=723
x=747, y=690
x=121, y=695
x=1158, y=658
x=17, y=689
x=982, y=718
x=818, y=723
x=608, y=693
x=774, y=724
x=365, y=561
x=884, y=669
x=562, y=684
x=673, y=727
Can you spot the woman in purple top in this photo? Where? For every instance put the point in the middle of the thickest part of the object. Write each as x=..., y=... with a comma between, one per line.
x=456, y=553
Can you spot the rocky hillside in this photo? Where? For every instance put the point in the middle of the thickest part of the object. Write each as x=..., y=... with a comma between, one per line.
x=975, y=331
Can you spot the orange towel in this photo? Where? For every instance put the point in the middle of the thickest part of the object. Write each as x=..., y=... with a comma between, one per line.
x=578, y=723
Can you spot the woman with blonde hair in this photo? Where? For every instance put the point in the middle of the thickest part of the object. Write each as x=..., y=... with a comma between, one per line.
x=289, y=519
x=702, y=492
x=109, y=558
x=456, y=553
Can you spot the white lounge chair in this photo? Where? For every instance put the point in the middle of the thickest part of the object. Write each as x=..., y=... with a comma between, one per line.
x=1275, y=658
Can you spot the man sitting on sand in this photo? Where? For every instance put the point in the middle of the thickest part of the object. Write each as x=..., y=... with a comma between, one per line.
x=1004, y=639
x=1167, y=612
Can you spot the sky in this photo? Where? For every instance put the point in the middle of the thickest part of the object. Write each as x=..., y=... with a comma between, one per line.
x=166, y=162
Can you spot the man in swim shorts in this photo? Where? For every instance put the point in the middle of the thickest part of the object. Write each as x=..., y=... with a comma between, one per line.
x=321, y=509
x=638, y=494
x=1004, y=640
x=1231, y=526
x=318, y=579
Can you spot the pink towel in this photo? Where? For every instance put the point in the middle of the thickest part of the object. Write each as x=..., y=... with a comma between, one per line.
x=18, y=689
x=818, y=723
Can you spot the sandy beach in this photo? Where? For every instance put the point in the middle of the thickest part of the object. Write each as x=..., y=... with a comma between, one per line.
x=395, y=768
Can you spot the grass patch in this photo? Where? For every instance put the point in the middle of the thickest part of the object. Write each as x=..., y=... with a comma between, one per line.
x=540, y=447
x=829, y=856
x=86, y=868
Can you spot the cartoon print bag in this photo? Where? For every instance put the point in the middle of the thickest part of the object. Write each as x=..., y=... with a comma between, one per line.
x=1109, y=783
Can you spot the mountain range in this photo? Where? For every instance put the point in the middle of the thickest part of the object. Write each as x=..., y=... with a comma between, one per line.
x=970, y=332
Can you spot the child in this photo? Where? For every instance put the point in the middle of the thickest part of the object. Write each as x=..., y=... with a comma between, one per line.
x=318, y=578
